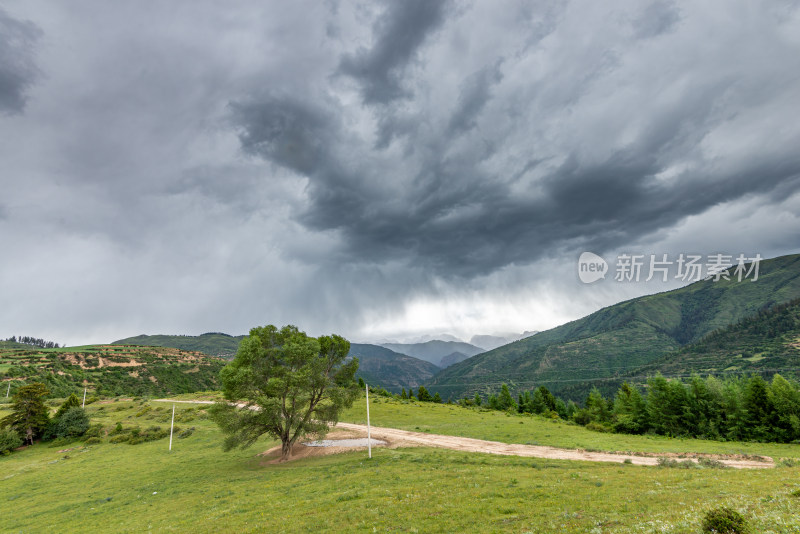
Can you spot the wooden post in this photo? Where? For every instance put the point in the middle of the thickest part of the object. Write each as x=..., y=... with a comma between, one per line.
x=369, y=434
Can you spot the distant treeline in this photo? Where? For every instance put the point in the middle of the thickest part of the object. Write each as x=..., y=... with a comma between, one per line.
x=740, y=409
x=34, y=341
x=730, y=409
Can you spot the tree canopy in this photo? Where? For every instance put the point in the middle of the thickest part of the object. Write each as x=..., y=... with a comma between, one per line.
x=29, y=415
x=285, y=384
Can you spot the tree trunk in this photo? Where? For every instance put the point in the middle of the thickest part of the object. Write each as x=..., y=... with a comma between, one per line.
x=286, y=450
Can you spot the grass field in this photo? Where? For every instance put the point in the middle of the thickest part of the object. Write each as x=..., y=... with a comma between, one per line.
x=198, y=488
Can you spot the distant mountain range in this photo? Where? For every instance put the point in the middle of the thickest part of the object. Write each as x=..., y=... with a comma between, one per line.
x=436, y=351
x=629, y=337
x=383, y=367
x=487, y=342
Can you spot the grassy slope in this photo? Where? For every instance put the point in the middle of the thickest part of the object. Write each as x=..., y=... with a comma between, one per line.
x=198, y=488
x=623, y=336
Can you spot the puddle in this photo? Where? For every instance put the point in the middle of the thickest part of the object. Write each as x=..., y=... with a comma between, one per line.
x=360, y=442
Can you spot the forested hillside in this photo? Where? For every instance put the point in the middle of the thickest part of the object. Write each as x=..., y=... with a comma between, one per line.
x=610, y=343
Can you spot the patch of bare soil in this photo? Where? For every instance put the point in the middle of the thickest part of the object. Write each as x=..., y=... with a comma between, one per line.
x=420, y=439
x=273, y=455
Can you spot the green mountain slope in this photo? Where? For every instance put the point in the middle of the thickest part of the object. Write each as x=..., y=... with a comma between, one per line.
x=391, y=370
x=110, y=369
x=765, y=343
x=433, y=351
x=212, y=343
x=615, y=340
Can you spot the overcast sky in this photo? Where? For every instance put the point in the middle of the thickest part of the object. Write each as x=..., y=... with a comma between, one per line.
x=380, y=170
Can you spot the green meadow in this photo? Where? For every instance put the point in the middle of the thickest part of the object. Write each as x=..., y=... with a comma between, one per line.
x=119, y=487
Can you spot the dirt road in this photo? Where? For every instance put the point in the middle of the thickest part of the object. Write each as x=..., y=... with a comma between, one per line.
x=405, y=438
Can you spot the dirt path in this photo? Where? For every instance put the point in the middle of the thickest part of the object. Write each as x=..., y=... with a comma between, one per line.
x=405, y=438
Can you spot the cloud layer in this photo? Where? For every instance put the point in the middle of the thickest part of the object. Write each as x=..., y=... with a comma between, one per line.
x=379, y=168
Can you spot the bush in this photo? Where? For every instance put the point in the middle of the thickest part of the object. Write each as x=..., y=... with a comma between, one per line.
x=9, y=440
x=186, y=433
x=712, y=463
x=596, y=427
x=724, y=520
x=671, y=462
x=94, y=431
x=143, y=411
x=93, y=441
x=72, y=424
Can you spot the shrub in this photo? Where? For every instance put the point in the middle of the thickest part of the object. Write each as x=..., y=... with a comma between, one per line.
x=71, y=402
x=671, y=462
x=61, y=442
x=596, y=427
x=143, y=411
x=94, y=431
x=72, y=424
x=9, y=440
x=93, y=441
x=724, y=520
x=119, y=438
x=186, y=433
x=712, y=463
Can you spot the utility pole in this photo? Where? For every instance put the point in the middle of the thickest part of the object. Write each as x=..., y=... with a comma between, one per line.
x=84, y=398
x=171, y=427
x=369, y=434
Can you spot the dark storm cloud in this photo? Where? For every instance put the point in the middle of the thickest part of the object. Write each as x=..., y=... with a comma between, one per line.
x=397, y=35
x=474, y=94
x=217, y=167
x=17, y=66
x=440, y=200
x=657, y=18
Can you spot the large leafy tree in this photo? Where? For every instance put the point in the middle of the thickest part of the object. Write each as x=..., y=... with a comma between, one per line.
x=285, y=384
x=29, y=416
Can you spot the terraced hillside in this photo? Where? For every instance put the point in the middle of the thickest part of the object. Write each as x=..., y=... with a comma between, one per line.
x=109, y=369
x=211, y=343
